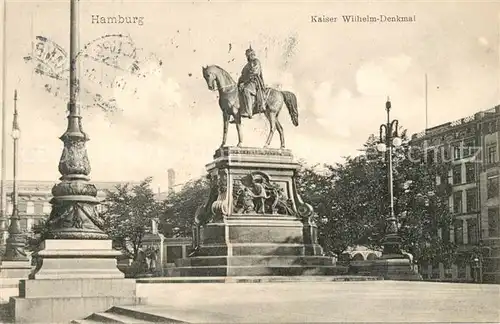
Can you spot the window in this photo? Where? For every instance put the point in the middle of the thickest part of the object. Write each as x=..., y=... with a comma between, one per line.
x=470, y=172
x=445, y=234
x=457, y=174
x=493, y=222
x=492, y=186
x=38, y=208
x=457, y=202
x=46, y=208
x=23, y=223
x=468, y=147
x=492, y=153
x=472, y=231
x=471, y=200
x=430, y=156
x=444, y=177
x=22, y=206
x=446, y=153
x=457, y=151
x=458, y=227
x=30, y=208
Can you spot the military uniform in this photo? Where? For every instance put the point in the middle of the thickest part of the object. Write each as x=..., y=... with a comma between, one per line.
x=251, y=84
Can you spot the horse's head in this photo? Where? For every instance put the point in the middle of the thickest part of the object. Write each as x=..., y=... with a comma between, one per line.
x=210, y=76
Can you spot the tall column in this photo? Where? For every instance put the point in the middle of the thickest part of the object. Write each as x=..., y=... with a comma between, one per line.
x=74, y=205
x=15, y=264
x=14, y=250
x=3, y=200
x=77, y=268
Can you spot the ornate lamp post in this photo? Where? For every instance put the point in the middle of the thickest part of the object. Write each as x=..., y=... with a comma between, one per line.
x=15, y=243
x=76, y=254
x=388, y=140
x=74, y=206
x=75, y=240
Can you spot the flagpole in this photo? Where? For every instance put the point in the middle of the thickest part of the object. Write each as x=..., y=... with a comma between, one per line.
x=426, y=106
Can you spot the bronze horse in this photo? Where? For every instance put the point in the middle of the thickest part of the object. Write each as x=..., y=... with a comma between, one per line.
x=229, y=102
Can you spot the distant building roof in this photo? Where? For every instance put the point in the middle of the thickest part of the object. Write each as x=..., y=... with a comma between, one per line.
x=46, y=186
x=443, y=128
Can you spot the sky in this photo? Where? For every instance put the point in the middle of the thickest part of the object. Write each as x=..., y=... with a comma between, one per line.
x=341, y=73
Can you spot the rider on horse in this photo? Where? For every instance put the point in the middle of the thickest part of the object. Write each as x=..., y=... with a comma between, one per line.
x=251, y=85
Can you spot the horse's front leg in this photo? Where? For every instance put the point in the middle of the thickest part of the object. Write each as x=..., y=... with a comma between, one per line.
x=237, y=119
x=225, y=120
x=272, y=123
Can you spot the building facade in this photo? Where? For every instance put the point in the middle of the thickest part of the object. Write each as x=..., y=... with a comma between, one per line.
x=34, y=201
x=471, y=146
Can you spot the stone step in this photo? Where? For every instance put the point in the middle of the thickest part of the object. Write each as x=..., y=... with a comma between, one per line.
x=150, y=314
x=248, y=249
x=256, y=279
x=255, y=260
x=84, y=321
x=261, y=270
x=172, y=314
x=111, y=317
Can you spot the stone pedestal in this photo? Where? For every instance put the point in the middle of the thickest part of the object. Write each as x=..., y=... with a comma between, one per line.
x=14, y=270
x=254, y=222
x=63, y=300
x=11, y=272
x=394, y=269
x=61, y=259
x=14, y=266
x=73, y=279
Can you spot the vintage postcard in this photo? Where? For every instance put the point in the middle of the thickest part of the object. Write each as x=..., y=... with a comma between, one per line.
x=240, y=161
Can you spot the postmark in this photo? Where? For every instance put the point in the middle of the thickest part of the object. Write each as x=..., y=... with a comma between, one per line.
x=106, y=67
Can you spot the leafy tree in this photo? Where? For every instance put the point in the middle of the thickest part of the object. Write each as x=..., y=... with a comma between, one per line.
x=315, y=185
x=352, y=201
x=129, y=212
x=180, y=208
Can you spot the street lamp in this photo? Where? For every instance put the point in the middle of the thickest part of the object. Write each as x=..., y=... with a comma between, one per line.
x=74, y=213
x=388, y=140
x=14, y=250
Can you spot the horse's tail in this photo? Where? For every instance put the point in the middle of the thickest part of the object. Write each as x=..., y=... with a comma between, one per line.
x=291, y=104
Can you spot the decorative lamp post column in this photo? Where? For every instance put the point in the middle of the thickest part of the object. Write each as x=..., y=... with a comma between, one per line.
x=76, y=259
x=74, y=205
x=388, y=140
x=14, y=250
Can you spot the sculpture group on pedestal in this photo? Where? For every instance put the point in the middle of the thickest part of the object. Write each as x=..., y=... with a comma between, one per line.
x=254, y=193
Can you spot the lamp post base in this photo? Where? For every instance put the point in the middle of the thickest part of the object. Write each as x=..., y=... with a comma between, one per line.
x=395, y=269
x=15, y=269
x=392, y=247
x=11, y=273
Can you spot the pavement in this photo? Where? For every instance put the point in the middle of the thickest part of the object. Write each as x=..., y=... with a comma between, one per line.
x=303, y=302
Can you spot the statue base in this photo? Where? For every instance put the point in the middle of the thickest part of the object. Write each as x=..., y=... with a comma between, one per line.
x=254, y=222
x=76, y=275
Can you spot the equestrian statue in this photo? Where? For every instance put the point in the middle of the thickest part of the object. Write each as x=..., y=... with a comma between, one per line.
x=249, y=97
